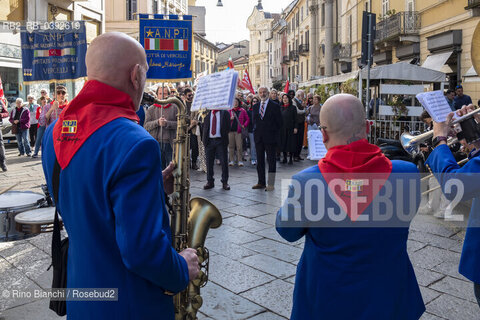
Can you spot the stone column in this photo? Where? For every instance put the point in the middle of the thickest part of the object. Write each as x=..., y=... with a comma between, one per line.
x=329, y=38
x=313, y=38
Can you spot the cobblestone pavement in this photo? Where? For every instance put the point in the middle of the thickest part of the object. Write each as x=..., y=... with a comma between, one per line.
x=252, y=270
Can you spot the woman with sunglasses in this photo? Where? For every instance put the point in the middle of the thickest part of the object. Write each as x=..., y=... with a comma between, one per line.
x=56, y=106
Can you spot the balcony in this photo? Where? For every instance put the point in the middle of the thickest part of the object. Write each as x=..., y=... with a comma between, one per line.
x=402, y=26
x=303, y=49
x=285, y=59
x=342, y=52
x=472, y=4
x=294, y=55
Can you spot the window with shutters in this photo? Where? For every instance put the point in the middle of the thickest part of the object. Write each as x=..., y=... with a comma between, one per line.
x=131, y=9
x=385, y=7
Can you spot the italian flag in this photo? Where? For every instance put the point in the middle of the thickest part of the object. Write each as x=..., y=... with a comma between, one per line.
x=54, y=52
x=166, y=44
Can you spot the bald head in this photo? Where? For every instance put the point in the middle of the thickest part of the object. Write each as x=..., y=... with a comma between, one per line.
x=344, y=117
x=119, y=61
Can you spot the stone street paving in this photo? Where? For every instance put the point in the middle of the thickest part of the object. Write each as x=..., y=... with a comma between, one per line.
x=252, y=270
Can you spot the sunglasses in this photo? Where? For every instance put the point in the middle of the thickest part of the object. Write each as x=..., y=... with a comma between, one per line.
x=189, y=95
x=61, y=92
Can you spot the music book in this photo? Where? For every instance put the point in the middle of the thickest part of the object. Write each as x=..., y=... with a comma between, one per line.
x=316, y=148
x=216, y=91
x=436, y=105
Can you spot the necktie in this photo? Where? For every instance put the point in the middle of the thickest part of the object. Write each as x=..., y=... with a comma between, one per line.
x=262, y=110
x=214, y=123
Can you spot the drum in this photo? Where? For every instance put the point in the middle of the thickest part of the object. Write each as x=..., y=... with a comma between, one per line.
x=13, y=203
x=36, y=221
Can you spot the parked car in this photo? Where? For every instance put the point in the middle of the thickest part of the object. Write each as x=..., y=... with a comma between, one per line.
x=6, y=127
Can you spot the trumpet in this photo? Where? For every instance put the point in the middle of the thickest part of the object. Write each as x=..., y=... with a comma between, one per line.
x=470, y=132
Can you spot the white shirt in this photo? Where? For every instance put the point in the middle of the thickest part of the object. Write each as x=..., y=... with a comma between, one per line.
x=265, y=107
x=33, y=113
x=217, y=134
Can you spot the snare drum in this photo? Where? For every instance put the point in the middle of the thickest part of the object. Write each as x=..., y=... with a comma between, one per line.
x=11, y=204
x=36, y=221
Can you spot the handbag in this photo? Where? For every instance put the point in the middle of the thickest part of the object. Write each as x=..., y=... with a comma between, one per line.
x=14, y=128
x=59, y=251
x=244, y=130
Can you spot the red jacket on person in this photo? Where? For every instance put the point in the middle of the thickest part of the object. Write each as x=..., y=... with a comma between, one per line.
x=243, y=118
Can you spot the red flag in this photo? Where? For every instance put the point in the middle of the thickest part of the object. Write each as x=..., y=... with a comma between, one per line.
x=246, y=83
x=230, y=63
x=2, y=95
x=287, y=86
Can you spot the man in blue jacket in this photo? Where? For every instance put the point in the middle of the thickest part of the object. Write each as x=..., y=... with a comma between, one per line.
x=111, y=193
x=449, y=173
x=354, y=209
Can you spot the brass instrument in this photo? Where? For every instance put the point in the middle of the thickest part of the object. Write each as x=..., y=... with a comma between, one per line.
x=190, y=218
x=411, y=143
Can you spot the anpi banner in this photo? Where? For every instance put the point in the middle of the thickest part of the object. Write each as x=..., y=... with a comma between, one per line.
x=168, y=44
x=54, y=53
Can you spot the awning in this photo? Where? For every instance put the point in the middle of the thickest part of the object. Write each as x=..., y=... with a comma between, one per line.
x=404, y=71
x=327, y=80
x=436, y=61
x=10, y=63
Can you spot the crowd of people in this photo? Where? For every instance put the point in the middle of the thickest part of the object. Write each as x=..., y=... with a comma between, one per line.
x=238, y=135
x=30, y=119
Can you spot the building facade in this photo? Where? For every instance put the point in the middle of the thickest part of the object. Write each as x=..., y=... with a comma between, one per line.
x=433, y=34
x=205, y=55
x=121, y=15
x=260, y=25
x=238, y=52
x=302, y=44
x=91, y=11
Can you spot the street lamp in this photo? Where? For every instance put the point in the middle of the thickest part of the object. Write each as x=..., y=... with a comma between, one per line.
x=219, y=3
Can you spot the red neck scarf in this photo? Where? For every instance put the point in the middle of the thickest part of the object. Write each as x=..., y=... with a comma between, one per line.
x=358, y=169
x=285, y=105
x=164, y=107
x=95, y=106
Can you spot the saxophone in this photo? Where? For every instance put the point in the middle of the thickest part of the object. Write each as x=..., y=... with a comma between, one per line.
x=190, y=218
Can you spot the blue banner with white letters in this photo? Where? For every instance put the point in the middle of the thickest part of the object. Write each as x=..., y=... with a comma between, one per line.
x=54, y=51
x=168, y=45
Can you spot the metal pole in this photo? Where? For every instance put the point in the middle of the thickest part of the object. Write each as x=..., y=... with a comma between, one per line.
x=369, y=62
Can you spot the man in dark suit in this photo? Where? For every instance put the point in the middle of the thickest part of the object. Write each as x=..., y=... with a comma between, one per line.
x=267, y=122
x=216, y=127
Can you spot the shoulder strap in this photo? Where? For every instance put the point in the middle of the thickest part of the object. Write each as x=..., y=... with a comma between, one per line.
x=235, y=114
x=56, y=238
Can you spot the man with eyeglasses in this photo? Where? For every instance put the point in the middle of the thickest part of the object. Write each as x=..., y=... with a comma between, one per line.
x=188, y=93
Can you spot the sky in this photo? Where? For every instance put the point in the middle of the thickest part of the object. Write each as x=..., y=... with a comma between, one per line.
x=229, y=23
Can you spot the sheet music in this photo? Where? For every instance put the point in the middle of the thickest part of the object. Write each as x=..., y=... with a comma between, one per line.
x=316, y=148
x=436, y=105
x=216, y=91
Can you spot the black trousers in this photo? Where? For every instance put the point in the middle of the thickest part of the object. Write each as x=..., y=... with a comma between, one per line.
x=215, y=146
x=33, y=134
x=270, y=150
x=299, y=142
x=194, y=147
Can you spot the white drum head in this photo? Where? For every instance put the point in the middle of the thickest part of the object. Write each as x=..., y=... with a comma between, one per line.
x=37, y=216
x=16, y=201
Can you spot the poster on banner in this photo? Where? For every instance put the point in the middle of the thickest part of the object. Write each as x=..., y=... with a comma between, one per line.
x=316, y=148
x=216, y=91
x=54, y=53
x=168, y=45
